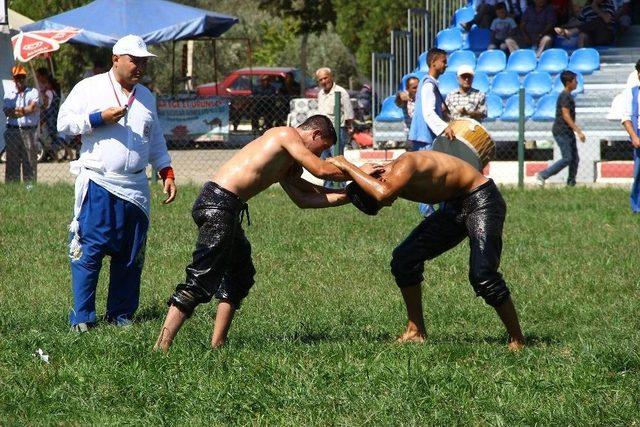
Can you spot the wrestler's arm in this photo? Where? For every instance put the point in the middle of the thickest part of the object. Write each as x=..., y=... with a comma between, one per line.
x=312, y=197
x=292, y=142
x=386, y=190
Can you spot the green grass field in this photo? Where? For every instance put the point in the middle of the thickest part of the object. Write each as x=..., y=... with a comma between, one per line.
x=314, y=341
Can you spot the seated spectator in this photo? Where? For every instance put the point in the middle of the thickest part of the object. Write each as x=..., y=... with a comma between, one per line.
x=595, y=25
x=486, y=12
x=290, y=87
x=515, y=8
x=623, y=15
x=501, y=28
x=466, y=101
x=536, y=28
x=407, y=100
x=564, y=10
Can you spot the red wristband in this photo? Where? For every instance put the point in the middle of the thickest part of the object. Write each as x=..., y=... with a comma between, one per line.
x=167, y=173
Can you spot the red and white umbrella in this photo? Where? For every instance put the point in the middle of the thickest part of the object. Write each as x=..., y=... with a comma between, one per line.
x=27, y=46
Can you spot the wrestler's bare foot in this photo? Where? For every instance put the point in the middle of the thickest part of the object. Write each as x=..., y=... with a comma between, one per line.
x=412, y=334
x=217, y=343
x=515, y=345
x=162, y=344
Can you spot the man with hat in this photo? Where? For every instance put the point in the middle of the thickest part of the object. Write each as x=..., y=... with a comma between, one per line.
x=20, y=106
x=121, y=135
x=466, y=101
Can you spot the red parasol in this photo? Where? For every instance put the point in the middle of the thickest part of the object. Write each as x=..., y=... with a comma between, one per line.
x=27, y=46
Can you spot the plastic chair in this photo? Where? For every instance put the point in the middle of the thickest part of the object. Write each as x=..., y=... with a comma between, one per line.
x=505, y=84
x=511, y=111
x=537, y=83
x=418, y=74
x=494, y=107
x=585, y=60
x=463, y=15
x=559, y=87
x=479, y=39
x=522, y=61
x=449, y=39
x=553, y=61
x=448, y=82
x=459, y=58
x=390, y=112
x=422, y=63
x=546, y=108
x=481, y=82
x=491, y=62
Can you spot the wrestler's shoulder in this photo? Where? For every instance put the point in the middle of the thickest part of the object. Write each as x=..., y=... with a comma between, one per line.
x=282, y=134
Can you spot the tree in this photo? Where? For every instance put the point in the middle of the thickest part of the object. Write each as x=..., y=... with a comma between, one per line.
x=311, y=16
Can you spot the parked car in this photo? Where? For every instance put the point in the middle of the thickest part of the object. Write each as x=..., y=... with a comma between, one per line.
x=248, y=100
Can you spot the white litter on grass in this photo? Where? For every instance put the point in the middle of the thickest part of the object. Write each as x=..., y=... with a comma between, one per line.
x=41, y=354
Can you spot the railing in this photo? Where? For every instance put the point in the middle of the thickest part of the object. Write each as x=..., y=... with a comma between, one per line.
x=382, y=83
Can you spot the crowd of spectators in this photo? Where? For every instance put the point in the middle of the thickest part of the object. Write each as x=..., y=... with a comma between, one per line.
x=535, y=24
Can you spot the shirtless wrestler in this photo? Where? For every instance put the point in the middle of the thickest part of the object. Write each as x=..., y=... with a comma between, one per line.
x=473, y=208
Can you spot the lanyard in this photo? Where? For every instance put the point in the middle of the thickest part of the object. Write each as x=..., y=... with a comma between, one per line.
x=132, y=97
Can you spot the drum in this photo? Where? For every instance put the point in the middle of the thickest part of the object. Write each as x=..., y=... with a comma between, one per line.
x=472, y=144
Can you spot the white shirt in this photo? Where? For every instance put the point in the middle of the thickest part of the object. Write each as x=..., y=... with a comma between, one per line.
x=431, y=118
x=125, y=147
x=23, y=99
x=326, y=104
x=630, y=107
x=633, y=80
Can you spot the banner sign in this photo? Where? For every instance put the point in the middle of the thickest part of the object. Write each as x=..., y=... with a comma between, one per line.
x=200, y=119
x=4, y=13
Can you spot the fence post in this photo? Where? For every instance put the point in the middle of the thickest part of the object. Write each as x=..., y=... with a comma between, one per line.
x=521, y=138
x=336, y=124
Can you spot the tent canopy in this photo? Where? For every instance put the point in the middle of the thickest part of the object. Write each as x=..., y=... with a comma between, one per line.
x=105, y=21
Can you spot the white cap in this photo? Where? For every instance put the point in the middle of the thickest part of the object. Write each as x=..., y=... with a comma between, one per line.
x=465, y=69
x=131, y=45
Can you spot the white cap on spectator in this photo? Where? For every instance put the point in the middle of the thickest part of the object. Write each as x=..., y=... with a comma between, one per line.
x=131, y=45
x=465, y=69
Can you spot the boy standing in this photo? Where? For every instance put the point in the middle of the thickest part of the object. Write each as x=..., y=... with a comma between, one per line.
x=564, y=130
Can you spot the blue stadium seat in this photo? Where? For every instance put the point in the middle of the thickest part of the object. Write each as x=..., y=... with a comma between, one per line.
x=585, y=60
x=418, y=74
x=481, y=82
x=559, y=87
x=491, y=62
x=494, y=107
x=449, y=39
x=505, y=84
x=460, y=57
x=390, y=112
x=537, y=83
x=448, y=82
x=553, y=61
x=422, y=63
x=479, y=39
x=511, y=111
x=463, y=15
x=546, y=108
x=522, y=61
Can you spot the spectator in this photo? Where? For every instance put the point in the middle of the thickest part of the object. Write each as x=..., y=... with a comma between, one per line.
x=595, y=25
x=564, y=132
x=563, y=9
x=50, y=104
x=326, y=101
x=466, y=101
x=406, y=99
x=536, y=28
x=631, y=123
x=20, y=106
x=263, y=97
x=623, y=15
x=290, y=87
x=486, y=12
x=364, y=102
x=501, y=28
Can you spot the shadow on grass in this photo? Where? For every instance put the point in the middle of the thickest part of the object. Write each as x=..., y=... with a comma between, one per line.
x=150, y=313
x=532, y=340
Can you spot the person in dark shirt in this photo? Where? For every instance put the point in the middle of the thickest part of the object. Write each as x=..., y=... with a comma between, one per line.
x=595, y=25
x=564, y=130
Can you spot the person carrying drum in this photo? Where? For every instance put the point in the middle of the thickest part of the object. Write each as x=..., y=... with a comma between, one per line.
x=466, y=101
x=430, y=111
x=473, y=207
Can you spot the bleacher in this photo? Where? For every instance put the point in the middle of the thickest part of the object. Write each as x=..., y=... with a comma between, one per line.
x=602, y=74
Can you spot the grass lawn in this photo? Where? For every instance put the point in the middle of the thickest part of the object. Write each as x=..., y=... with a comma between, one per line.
x=314, y=341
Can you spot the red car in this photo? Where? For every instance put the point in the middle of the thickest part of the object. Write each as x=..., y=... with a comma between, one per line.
x=241, y=82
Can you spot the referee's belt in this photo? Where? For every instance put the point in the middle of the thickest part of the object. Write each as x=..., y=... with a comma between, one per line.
x=20, y=127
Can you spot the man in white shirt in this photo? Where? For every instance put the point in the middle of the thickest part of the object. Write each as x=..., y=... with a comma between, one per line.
x=20, y=106
x=630, y=121
x=326, y=105
x=118, y=121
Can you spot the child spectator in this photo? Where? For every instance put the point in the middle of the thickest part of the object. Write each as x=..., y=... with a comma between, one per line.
x=501, y=28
